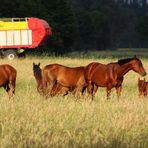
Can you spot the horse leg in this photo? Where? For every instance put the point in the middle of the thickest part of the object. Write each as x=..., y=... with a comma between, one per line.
x=49, y=90
x=108, y=91
x=63, y=91
x=140, y=93
x=83, y=90
x=80, y=90
x=118, y=91
x=6, y=87
x=90, y=89
x=146, y=92
x=11, y=88
x=58, y=89
x=95, y=88
x=47, y=84
x=50, y=87
x=55, y=89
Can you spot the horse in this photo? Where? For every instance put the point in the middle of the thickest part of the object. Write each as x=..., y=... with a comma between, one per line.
x=142, y=87
x=37, y=72
x=8, y=79
x=57, y=89
x=111, y=75
x=72, y=79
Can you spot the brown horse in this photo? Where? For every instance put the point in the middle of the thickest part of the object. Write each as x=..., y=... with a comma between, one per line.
x=38, y=76
x=142, y=87
x=8, y=79
x=57, y=89
x=55, y=75
x=111, y=75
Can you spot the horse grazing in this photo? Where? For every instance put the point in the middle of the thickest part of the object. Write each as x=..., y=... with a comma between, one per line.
x=111, y=75
x=8, y=79
x=142, y=87
x=57, y=89
x=71, y=79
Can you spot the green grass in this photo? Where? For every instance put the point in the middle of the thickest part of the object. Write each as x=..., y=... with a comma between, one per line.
x=32, y=121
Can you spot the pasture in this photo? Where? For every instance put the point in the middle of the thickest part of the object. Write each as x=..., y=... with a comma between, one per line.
x=33, y=121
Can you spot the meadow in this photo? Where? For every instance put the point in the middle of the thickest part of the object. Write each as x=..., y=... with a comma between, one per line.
x=33, y=121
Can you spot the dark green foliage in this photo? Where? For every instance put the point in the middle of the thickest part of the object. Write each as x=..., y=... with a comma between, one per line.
x=109, y=24
x=142, y=27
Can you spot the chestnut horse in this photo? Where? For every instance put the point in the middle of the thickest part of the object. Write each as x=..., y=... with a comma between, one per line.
x=111, y=75
x=142, y=87
x=47, y=90
x=56, y=75
x=8, y=79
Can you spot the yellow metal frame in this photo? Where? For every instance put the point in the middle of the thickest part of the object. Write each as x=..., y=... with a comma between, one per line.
x=13, y=24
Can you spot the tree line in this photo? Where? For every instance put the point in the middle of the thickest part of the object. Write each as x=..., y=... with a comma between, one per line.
x=86, y=24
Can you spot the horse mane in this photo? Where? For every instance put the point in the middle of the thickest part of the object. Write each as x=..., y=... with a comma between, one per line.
x=124, y=61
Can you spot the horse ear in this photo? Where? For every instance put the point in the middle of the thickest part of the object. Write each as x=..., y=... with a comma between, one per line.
x=39, y=64
x=33, y=63
x=135, y=56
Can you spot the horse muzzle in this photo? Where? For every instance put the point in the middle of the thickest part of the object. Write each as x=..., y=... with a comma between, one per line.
x=143, y=74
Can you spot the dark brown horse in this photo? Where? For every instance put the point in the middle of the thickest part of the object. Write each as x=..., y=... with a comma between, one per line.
x=38, y=76
x=142, y=87
x=8, y=79
x=58, y=75
x=111, y=75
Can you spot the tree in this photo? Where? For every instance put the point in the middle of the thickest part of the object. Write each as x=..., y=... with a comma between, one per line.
x=142, y=27
x=62, y=18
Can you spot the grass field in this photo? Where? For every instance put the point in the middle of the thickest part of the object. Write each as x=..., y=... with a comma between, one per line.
x=32, y=121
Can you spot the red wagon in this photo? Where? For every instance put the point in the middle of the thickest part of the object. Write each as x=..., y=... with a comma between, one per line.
x=18, y=34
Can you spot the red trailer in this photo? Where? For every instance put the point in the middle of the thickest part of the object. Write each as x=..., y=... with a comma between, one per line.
x=18, y=34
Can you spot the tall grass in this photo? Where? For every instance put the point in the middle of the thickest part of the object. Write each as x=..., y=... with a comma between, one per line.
x=31, y=121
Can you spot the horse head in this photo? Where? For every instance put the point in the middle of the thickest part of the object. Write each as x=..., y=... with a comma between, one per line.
x=36, y=67
x=137, y=66
x=37, y=70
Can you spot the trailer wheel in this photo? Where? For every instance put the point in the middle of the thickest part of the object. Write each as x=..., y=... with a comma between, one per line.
x=10, y=54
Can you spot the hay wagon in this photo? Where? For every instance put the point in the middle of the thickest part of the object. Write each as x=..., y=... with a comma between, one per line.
x=19, y=34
